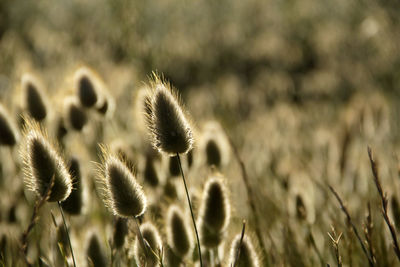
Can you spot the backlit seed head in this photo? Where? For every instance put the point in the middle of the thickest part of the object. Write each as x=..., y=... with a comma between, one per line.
x=41, y=162
x=8, y=131
x=74, y=202
x=214, y=144
x=213, y=153
x=152, y=237
x=120, y=232
x=247, y=257
x=214, y=212
x=178, y=233
x=34, y=98
x=95, y=253
x=150, y=173
x=85, y=84
x=170, y=129
x=122, y=194
x=74, y=114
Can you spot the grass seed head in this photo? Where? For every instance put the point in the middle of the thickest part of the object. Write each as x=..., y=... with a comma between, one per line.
x=123, y=195
x=120, y=232
x=8, y=133
x=248, y=256
x=95, y=253
x=178, y=233
x=74, y=114
x=214, y=212
x=42, y=161
x=74, y=202
x=153, y=239
x=213, y=153
x=34, y=101
x=150, y=173
x=85, y=84
x=168, y=124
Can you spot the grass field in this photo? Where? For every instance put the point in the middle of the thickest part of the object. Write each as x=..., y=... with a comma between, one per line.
x=284, y=116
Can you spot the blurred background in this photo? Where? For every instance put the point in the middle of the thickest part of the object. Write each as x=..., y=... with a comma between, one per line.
x=302, y=87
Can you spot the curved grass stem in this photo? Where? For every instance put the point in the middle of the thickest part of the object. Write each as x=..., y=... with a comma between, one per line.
x=191, y=209
x=66, y=230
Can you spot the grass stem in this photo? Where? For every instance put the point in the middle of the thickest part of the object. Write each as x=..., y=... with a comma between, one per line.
x=191, y=209
x=67, y=232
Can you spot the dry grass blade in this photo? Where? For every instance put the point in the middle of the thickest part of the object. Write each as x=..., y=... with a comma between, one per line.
x=384, y=201
x=346, y=212
x=34, y=218
x=240, y=244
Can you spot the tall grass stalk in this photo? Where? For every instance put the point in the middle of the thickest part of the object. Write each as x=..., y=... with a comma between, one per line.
x=67, y=232
x=191, y=209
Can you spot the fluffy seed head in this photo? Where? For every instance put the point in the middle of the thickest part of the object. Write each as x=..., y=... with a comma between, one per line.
x=74, y=114
x=247, y=257
x=8, y=133
x=95, y=253
x=168, y=124
x=85, y=85
x=120, y=232
x=123, y=195
x=214, y=212
x=150, y=173
x=214, y=144
x=213, y=153
x=33, y=100
x=178, y=233
x=151, y=235
x=74, y=202
x=42, y=161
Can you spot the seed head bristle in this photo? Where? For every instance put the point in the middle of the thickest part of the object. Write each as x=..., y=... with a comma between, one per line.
x=178, y=233
x=153, y=239
x=122, y=194
x=214, y=212
x=41, y=162
x=34, y=97
x=8, y=131
x=169, y=126
x=74, y=202
x=247, y=256
x=95, y=253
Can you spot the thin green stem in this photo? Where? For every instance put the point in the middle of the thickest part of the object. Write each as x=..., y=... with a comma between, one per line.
x=66, y=230
x=191, y=209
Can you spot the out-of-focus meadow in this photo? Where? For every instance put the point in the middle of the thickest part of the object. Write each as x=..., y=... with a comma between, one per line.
x=301, y=87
